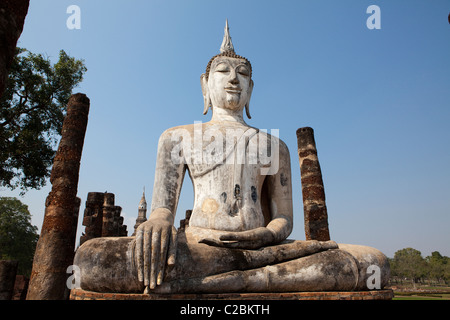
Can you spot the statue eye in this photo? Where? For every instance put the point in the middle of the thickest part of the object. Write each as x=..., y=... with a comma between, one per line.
x=222, y=68
x=243, y=71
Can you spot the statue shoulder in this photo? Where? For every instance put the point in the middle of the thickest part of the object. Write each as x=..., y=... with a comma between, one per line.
x=172, y=133
x=276, y=139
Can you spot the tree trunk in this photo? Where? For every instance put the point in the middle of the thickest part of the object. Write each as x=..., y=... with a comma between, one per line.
x=12, y=18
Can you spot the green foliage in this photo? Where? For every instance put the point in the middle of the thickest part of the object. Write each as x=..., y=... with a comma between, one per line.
x=439, y=266
x=18, y=237
x=408, y=263
x=32, y=111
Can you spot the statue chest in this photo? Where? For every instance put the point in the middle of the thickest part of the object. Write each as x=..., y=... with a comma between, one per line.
x=225, y=201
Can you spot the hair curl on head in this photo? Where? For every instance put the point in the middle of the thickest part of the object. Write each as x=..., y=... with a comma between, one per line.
x=230, y=54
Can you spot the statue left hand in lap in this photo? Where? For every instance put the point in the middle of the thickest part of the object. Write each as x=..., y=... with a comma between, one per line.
x=250, y=239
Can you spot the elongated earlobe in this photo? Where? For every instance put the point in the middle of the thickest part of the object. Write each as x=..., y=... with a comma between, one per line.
x=207, y=102
x=206, y=98
x=247, y=105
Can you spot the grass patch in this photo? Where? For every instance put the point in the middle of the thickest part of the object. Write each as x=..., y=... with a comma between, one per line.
x=400, y=297
x=421, y=292
x=420, y=296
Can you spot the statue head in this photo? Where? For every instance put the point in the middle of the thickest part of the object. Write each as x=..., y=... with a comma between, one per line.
x=227, y=82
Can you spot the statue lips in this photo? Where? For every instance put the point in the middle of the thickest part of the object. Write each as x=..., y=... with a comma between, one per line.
x=233, y=90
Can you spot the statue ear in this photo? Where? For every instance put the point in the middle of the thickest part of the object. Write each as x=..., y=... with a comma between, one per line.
x=205, y=91
x=247, y=105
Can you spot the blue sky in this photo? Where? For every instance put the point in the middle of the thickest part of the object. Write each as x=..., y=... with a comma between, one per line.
x=378, y=100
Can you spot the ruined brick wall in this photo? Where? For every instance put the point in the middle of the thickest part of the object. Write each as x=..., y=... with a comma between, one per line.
x=102, y=218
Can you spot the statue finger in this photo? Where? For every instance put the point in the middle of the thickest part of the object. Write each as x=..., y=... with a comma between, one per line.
x=147, y=248
x=165, y=239
x=212, y=242
x=139, y=255
x=155, y=256
x=172, y=249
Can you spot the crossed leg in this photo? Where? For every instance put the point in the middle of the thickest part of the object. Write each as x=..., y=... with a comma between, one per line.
x=107, y=265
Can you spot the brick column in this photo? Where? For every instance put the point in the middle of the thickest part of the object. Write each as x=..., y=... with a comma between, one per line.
x=93, y=216
x=56, y=245
x=314, y=206
x=108, y=215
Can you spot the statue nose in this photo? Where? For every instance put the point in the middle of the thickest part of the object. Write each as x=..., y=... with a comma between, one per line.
x=233, y=77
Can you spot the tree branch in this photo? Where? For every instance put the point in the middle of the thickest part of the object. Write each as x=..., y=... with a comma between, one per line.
x=18, y=114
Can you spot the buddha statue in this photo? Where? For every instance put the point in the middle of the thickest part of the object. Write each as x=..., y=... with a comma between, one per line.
x=236, y=239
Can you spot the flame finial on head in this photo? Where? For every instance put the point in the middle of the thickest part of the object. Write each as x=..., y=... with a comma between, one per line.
x=226, y=50
x=227, y=45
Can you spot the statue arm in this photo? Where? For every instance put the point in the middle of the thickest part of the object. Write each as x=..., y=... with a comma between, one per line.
x=169, y=174
x=156, y=238
x=279, y=187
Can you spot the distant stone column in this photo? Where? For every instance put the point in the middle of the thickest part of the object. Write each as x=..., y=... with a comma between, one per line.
x=116, y=224
x=123, y=232
x=314, y=206
x=108, y=215
x=8, y=271
x=56, y=245
x=93, y=216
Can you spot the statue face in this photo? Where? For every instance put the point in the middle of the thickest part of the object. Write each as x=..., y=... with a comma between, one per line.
x=229, y=84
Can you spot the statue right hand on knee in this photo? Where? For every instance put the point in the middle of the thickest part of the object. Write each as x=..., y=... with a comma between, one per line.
x=155, y=247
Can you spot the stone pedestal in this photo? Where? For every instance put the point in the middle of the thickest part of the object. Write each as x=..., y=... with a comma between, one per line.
x=387, y=294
